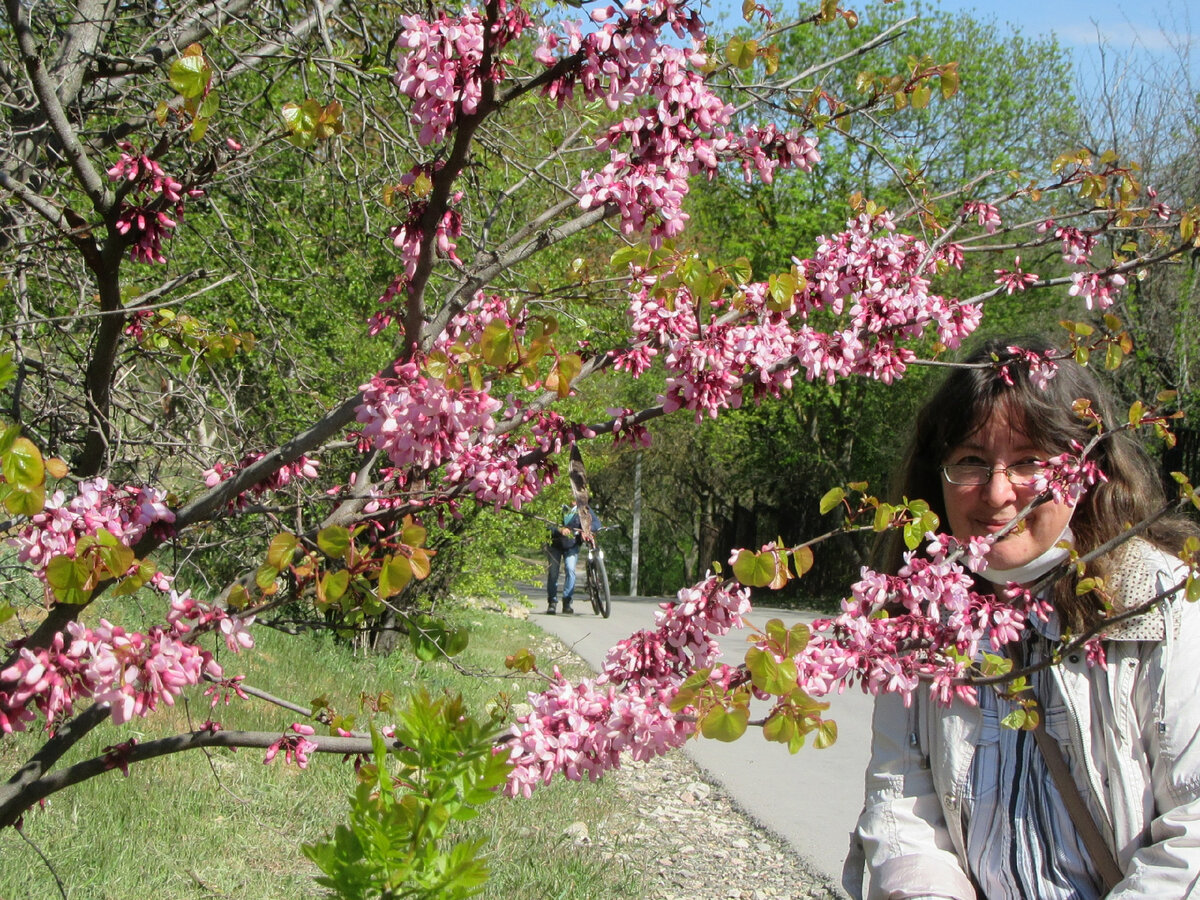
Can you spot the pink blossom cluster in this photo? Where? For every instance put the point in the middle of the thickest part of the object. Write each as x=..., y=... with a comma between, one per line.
x=408, y=236
x=684, y=638
x=492, y=471
x=438, y=64
x=1098, y=289
x=1067, y=477
x=124, y=512
x=1077, y=246
x=466, y=328
x=137, y=323
x=875, y=277
x=682, y=136
x=147, y=222
x=131, y=671
x=764, y=150
x=1015, y=280
x=419, y=422
x=295, y=746
x=869, y=275
x=581, y=731
x=984, y=213
x=679, y=132
x=618, y=57
x=626, y=430
x=1041, y=368
x=379, y=322
x=933, y=629
x=302, y=467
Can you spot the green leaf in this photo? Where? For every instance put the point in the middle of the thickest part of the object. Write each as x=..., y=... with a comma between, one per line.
x=115, y=557
x=725, y=724
x=282, y=549
x=418, y=560
x=798, y=638
x=1136, y=411
x=827, y=734
x=949, y=80
x=457, y=640
x=883, y=516
x=1192, y=589
x=23, y=467
x=777, y=633
x=333, y=585
x=140, y=576
x=8, y=370
x=802, y=558
x=25, y=503
x=769, y=674
x=1021, y=720
x=521, y=661
x=832, y=499
x=265, y=577
x=496, y=344
x=334, y=541
x=914, y=533
x=427, y=636
x=190, y=73
x=568, y=366
x=8, y=435
x=754, y=569
x=624, y=256
x=68, y=579
x=301, y=121
x=394, y=575
x=412, y=534
x=780, y=728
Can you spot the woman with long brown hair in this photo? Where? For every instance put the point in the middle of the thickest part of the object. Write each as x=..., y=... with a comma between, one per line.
x=1103, y=798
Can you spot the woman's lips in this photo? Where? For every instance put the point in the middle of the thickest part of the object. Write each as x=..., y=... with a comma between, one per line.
x=993, y=527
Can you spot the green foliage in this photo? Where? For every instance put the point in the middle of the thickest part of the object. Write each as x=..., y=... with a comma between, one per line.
x=394, y=844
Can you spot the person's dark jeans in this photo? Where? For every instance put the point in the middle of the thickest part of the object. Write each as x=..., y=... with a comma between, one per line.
x=558, y=557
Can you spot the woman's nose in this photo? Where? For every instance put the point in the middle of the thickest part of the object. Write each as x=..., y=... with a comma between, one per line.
x=999, y=490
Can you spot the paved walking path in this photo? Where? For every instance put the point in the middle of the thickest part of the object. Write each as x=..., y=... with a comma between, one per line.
x=810, y=799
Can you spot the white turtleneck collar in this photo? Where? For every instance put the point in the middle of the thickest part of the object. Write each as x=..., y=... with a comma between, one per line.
x=1035, y=568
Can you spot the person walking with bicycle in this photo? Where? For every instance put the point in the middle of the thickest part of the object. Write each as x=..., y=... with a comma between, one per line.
x=563, y=549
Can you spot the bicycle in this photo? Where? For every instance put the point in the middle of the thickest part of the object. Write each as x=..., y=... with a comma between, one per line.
x=597, y=580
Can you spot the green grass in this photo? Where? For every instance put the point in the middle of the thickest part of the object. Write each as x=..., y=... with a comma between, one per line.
x=225, y=825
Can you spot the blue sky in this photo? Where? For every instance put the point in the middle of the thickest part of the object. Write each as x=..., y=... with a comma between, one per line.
x=1155, y=27
x=1152, y=25
x=1158, y=29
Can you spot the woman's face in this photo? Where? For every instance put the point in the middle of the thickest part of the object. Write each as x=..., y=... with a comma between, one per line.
x=985, y=509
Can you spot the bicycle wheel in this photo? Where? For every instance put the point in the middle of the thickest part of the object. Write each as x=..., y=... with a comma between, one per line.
x=601, y=599
x=593, y=583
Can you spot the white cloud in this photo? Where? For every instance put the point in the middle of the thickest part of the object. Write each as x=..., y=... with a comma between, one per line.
x=1144, y=37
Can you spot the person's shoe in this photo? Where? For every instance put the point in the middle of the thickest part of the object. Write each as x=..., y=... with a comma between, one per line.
x=551, y=611
x=568, y=609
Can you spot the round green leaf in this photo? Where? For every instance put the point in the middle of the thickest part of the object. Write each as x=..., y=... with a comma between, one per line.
x=725, y=724
x=23, y=466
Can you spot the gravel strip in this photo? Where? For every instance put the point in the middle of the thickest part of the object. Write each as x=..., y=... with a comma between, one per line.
x=692, y=843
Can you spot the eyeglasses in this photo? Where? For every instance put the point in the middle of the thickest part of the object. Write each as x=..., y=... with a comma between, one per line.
x=1022, y=474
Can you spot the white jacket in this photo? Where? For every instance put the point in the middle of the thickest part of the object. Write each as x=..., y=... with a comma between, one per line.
x=1132, y=740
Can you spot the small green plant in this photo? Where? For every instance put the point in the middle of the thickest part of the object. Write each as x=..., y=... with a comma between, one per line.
x=394, y=844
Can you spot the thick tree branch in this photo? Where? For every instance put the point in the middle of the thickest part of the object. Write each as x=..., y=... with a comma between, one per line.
x=43, y=85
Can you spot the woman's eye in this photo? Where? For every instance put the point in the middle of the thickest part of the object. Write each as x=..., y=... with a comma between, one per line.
x=969, y=461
